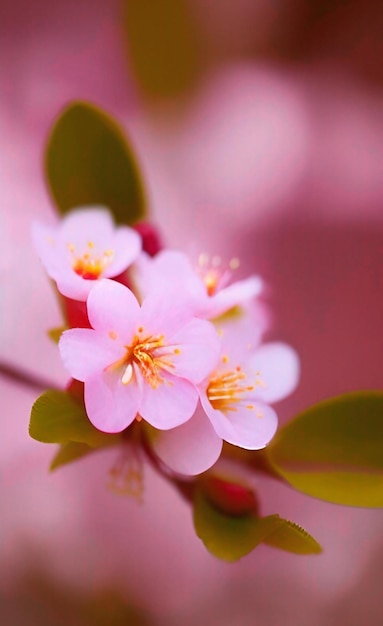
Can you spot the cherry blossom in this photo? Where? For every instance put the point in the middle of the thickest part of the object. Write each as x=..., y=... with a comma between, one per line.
x=206, y=285
x=83, y=248
x=236, y=397
x=234, y=407
x=139, y=362
x=189, y=449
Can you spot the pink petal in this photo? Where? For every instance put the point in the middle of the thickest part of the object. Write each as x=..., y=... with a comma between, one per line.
x=85, y=352
x=165, y=310
x=170, y=273
x=110, y=405
x=127, y=246
x=191, y=448
x=234, y=295
x=251, y=429
x=278, y=365
x=71, y=284
x=113, y=307
x=87, y=224
x=172, y=403
x=199, y=350
x=48, y=247
x=168, y=267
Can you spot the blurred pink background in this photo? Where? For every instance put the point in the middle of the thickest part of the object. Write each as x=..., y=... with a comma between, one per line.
x=273, y=153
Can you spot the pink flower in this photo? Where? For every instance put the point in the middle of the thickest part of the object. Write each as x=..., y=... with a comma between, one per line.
x=234, y=408
x=139, y=362
x=83, y=248
x=206, y=285
x=236, y=398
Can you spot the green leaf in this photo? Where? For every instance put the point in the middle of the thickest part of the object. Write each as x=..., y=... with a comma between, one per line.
x=334, y=450
x=58, y=417
x=69, y=452
x=229, y=537
x=291, y=537
x=55, y=333
x=164, y=49
x=89, y=162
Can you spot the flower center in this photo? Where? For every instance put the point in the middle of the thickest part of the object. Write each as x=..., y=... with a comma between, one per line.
x=226, y=391
x=213, y=274
x=150, y=356
x=90, y=265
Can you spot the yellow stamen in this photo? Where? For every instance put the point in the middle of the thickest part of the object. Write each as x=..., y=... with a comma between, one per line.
x=149, y=356
x=90, y=265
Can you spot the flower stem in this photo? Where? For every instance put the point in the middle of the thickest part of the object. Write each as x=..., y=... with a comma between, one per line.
x=22, y=377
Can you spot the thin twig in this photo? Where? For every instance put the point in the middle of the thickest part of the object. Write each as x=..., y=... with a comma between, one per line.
x=22, y=377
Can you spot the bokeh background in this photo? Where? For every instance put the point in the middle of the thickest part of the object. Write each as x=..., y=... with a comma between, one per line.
x=258, y=126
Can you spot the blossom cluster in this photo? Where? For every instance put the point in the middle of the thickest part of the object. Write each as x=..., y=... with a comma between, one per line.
x=172, y=345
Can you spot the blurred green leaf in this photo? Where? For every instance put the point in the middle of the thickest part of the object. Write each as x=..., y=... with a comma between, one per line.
x=69, y=452
x=55, y=333
x=334, y=450
x=229, y=537
x=291, y=537
x=89, y=162
x=163, y=45
x=58, y=417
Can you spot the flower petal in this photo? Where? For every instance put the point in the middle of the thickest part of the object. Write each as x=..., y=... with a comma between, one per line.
x=113, y=307
x=165, y=311
x=198, y=347
x=110, y=405
x=251, y=429
x=48, y=247
x=191, y=448
x=127, y=246
x=87, y=224
x=85, y=351
x=172, y=403
x=278, y=365
x=233, y=295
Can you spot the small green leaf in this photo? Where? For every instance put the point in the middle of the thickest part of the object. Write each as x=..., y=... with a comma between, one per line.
x=55, y=333
x=89, y=162
x=163, y=44
x=69, y=452
x=58, y=417
x=291, y=537
x=334, y=450
x=229, y=537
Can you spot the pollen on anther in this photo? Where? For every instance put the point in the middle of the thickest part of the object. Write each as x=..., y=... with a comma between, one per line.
x=177, y=351
x=127, y=375
x=90, y=244
x=140, y=329
x=225, y=359
x=250, y=406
